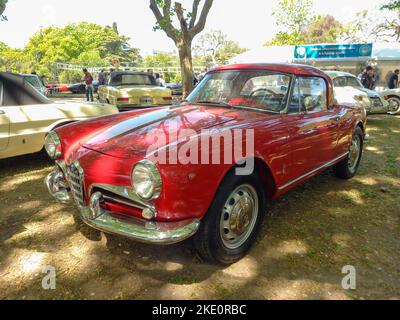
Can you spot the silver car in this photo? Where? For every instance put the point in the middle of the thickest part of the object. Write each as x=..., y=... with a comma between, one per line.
x=345, y=79
x=392, y=96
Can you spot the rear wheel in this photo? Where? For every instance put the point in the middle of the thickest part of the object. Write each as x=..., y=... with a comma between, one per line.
x=347, y=168
x=233, y=220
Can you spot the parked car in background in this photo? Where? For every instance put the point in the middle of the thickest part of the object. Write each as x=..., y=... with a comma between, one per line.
x=176, y=88
x=80, y=88
x=26, y=116
x=57, y=88
x=129, y=90
x=35, y=82
x=109, y=166
x=392, y=96
x=346, y=81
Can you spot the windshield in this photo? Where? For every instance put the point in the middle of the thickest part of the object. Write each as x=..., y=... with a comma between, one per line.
x=347, y=82
x=132, y=80
x=34, y=81
x=258, y=90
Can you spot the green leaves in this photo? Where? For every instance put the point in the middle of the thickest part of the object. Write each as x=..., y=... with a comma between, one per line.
x=83, y=43
x=293, y=15
x=392, y=5
x=299, y=25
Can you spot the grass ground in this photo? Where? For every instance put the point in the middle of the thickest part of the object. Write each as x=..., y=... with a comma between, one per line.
x=309, y=235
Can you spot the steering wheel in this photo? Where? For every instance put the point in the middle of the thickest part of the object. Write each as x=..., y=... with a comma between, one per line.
x=266, y=90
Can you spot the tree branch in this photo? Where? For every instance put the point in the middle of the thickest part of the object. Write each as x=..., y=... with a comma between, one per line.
x=195, y=9
x=202, y=20
x=3, y=6
x=182, y=21
x=167, y=8
x=164, y=20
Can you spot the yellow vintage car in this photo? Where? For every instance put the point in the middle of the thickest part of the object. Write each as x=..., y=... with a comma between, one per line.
x=128, y=90
x=26, y=116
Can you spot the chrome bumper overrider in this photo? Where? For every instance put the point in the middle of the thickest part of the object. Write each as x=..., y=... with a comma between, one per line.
x=110, y=222
x=57, y=186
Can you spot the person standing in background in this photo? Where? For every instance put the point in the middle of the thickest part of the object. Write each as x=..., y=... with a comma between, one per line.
x=359, y=76
x=393, y=82
x=160, y=81
x=44, y=81
x=88, y=79
x=367, y=78
x=102, y=78
x=151, y=73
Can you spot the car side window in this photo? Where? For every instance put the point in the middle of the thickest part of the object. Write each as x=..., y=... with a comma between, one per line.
x=309, y=95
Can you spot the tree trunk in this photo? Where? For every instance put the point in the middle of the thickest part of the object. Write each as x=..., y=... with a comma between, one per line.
x=185, y=55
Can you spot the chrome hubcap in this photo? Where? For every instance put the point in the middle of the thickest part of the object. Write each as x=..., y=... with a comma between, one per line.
x=354, y=154
x=239, y=216
x=394, y=105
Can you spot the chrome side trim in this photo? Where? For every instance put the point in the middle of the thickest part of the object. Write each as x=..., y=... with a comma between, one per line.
x=326, y=165
x=142, y=230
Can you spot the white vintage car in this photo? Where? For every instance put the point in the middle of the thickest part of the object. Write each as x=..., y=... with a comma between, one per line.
x=392, y=96
x=346, y=85
x=26, y=115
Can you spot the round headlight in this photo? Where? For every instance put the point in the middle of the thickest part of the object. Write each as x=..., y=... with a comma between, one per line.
x=52, y=144
x=146, y=180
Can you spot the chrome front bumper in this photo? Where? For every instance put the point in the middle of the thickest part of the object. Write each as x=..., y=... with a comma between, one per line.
x=141, y=230
x=110, y=222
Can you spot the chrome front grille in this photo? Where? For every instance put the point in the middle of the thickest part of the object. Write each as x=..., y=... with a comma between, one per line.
x=376, y=102
x=75, y=181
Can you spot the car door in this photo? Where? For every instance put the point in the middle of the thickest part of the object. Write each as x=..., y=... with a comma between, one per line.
x=4, y=122
x=313, y=128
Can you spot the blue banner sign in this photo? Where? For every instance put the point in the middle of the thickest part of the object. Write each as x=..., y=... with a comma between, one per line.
x=333, y=51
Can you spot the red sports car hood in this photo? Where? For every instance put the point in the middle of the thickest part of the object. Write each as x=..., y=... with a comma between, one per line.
x=135, y=136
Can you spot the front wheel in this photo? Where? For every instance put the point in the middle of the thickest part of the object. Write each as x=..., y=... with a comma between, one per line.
x=394, y=105
x=233, y=220
x=347, y=168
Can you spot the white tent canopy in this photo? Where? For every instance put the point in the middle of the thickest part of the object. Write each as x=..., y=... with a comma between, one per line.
x=386, y=51
x=285, y=54
x=273, y=54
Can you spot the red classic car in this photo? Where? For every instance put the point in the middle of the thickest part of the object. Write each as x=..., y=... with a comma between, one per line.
x=153, y=176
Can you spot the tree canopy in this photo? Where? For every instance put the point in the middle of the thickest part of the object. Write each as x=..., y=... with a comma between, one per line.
x=228, y=50
x=209, y=44
x=389, y=27
x=83, y=43
x=370, y=27
x=293, y=15
x=392, y=5
x=300, y=25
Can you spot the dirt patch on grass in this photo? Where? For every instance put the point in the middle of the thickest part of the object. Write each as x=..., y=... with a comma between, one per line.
x=309, y=235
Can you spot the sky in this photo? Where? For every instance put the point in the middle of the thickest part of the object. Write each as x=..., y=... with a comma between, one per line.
x=249, y=22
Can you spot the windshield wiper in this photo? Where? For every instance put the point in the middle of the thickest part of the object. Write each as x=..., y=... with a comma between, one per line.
x=217, y=103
